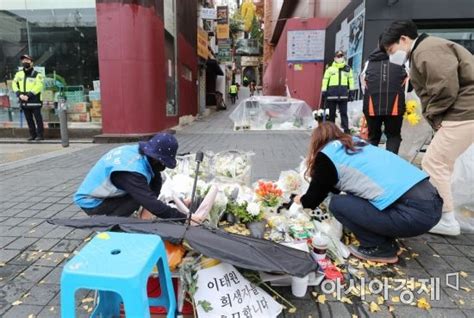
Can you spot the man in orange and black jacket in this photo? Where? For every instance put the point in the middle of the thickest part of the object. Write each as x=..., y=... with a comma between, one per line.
x=384, y=99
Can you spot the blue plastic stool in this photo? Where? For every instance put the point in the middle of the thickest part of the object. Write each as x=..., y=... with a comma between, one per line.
x=118, y=266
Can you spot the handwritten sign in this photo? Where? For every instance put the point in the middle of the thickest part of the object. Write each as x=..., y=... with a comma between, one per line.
x=224, y=293
x=305, y=46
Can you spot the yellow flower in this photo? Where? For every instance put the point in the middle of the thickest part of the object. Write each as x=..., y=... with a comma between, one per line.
x=412, y=118
x=411, y=105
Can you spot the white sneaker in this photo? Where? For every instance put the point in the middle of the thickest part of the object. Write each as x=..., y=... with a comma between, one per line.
x=448, y=225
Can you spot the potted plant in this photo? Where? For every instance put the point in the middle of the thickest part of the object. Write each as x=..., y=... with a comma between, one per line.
x=250, y=214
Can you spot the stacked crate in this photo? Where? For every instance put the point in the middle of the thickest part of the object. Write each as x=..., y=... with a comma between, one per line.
x=94, y=97
x=77, y=107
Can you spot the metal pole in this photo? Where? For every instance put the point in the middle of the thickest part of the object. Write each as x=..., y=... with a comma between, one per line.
x=62, y=114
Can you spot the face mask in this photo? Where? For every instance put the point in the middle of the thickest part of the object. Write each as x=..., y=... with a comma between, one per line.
x=339, y=60
x=399, y=57
x=26, y=65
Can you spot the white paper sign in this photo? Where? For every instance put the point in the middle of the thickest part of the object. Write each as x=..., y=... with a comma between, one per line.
x=305, y=46
x=224, y=293
x=208, y=13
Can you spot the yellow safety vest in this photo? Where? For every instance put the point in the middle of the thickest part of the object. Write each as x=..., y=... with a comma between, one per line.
x=233, y=89
x=338, y=74
x=32, y=83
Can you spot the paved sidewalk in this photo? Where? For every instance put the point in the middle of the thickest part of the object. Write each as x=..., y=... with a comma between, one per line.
x=32, y=252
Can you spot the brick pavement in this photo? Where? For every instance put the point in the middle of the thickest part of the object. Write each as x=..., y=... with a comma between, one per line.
x=32, y=252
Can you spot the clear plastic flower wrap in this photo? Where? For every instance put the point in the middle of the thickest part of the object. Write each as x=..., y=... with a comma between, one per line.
x=186, y=164
x=233, y=166
x=290, y=182
x=272, y=112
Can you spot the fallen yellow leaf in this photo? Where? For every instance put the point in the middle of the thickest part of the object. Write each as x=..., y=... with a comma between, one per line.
x=103, y=236
x=87, y=300
x=466, y=289
x=380, y=300
x=16, y=303
x=423, y=303
x=373, y=307
x=395, y=299
x=461, y=301
x=414, y=255
x=354, y=316
x=346, y=300
x=31, y=316
x=321, y=299
x=292, y=310
x=315, y=294
x=391, y=308
x=463, y=274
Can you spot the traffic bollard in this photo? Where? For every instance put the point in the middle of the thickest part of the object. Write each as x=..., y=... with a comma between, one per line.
x=62, y=114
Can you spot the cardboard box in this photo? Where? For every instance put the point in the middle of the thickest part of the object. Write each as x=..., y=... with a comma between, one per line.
x=81, y=107
x=96, y=104
x=94, y=95
x=78, y=117
x=47, y=96
x=96, y=119
x=95, y=112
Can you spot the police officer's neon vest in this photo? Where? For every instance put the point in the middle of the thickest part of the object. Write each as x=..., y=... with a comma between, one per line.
x=373, y=173
x=97, y=185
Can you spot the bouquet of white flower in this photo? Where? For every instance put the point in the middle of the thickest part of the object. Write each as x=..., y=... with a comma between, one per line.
x=233, y=166
x=290, y=182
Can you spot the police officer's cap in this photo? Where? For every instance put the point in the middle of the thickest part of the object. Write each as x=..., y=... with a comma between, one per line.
x=340, y=52
x=26, y=56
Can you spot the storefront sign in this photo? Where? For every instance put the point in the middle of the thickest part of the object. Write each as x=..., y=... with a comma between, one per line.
x=223, y=292
x=222, y=15
x=305, y=46
x=202, y=43
x=222, y=31
x=208, y=13
x=250, y=61
x=224, y=52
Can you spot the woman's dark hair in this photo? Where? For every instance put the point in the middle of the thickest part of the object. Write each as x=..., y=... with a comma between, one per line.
x=324, y=134
x=395, y=30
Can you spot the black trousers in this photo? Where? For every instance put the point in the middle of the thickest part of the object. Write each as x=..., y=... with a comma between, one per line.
x=36, y=129
x=119, y=206
x=393, y=128
x=332, y=105
x=414, y=213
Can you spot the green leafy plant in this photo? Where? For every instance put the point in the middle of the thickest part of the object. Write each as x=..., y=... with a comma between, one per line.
x=206, y=306
x=241, y=212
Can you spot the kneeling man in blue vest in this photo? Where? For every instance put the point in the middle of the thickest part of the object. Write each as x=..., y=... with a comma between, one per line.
x=129, y=177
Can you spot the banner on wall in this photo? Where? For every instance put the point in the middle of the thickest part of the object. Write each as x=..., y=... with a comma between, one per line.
x=342, y=37
x=222, y=31
x=305, y=46
x=356, y=43
x=222, y=15
x=202, y=43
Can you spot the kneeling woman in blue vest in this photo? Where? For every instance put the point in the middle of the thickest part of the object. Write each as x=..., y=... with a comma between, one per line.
x=128, y=177
x=386, y=197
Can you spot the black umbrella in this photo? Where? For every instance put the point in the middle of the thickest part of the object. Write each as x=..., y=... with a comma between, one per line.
x=241, y=251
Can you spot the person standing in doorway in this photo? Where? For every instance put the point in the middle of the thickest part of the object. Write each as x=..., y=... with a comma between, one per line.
x=442, y=74
x=338, y=88
x=28, y=84
x=384, y=99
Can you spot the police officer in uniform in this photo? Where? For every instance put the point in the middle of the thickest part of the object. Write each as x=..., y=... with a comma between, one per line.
x=337, y=88
x=28, y=84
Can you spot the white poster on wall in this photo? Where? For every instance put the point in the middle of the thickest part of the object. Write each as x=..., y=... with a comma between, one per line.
x=342, y=37
x=223, y=292
x=356, y=43
x=305, y=46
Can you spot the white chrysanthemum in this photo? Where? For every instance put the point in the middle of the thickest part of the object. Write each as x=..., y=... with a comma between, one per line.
x=253, y=208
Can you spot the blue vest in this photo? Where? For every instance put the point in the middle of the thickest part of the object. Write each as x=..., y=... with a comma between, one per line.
x=373, y=173
x=97, y=185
